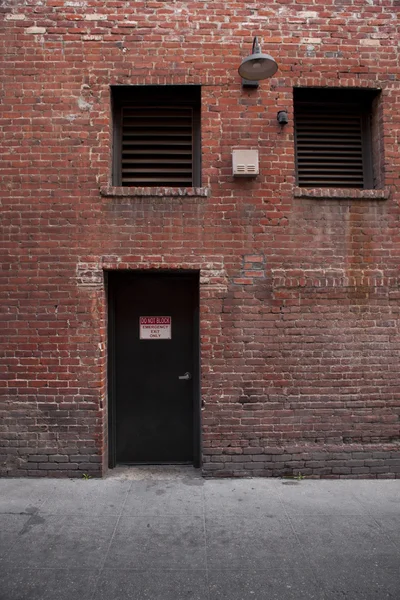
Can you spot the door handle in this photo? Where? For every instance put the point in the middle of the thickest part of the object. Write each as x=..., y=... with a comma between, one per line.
x=186, y=376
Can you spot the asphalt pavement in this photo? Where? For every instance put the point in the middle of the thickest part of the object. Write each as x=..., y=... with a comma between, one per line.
x=168, y=534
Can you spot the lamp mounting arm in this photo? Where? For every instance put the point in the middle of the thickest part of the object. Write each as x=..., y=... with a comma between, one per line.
x=256, y=49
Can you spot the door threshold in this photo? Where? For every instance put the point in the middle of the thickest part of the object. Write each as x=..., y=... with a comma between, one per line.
x=166, y=471
x=154, y=463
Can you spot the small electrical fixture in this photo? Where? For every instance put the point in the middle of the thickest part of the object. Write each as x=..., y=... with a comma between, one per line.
x=282, y=117
x=245, y=163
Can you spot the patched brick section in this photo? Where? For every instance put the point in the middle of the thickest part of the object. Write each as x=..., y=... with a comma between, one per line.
x=253, y=268
x=152, y=192
x=325, y=279
x=211, y=268
x=36, y=30
x=89, y=275
x=345, y=194
x=299, y=288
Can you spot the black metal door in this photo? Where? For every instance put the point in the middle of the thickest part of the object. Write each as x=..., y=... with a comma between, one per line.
x=155, y=370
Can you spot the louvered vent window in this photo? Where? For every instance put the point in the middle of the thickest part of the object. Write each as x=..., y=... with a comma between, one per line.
x=158, y=140
x=157, y=146
x=333, y=138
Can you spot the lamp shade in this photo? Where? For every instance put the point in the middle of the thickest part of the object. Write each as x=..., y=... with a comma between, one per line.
x=258, y=66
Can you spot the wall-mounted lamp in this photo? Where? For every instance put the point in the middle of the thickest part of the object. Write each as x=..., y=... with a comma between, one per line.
x=257, y=66
x=282, y=117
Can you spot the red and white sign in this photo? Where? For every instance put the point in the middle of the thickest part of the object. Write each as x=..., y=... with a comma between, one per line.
x=155, y=328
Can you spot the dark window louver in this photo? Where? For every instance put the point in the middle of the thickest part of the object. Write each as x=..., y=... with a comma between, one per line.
x=333, y=132
x=157, y=146
x=329, y=147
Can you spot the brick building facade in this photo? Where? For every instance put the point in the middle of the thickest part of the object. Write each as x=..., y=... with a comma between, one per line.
x=290, y=279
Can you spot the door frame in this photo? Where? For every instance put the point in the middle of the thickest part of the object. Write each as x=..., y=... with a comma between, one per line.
x=109, y=275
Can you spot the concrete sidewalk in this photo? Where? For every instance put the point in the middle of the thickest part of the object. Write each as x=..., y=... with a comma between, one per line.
x=166, y=534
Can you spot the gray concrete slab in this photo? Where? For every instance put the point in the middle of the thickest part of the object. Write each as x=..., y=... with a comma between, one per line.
x=153, y=533
x=235, y=541
x=331, y=535
x=152, y=584
x=94, y=498
x=165, y=498
x=158, y=542
x=10, y=527
x=285, y=581
x=356, y=577
x=333, y=498
x=25, y=495
x=243, y=497
x=391, y=526
x=378, y=497
x=69, y=541
x=46, y=584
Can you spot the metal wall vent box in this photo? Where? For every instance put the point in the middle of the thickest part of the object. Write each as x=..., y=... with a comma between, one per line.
x=245, y=163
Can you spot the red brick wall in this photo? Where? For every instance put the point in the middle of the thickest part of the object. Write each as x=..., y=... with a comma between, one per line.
x=299, y=293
